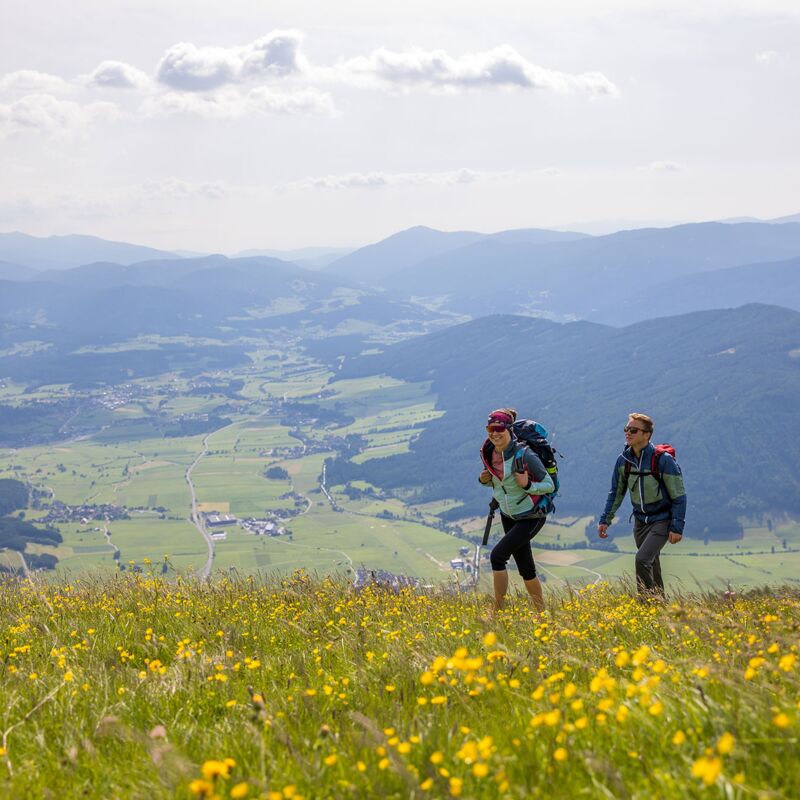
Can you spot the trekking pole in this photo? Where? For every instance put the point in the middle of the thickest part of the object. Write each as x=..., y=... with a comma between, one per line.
x=493, y=506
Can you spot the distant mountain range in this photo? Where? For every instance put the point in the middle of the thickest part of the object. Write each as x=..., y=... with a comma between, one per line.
x=402, y=251
x=425, y=279
x=572, y=276
x=721, y=385
x=191, y=295
x=623, y=276
x=54, y=312
x=65, y=252
x=775, y=221
x=308, y=257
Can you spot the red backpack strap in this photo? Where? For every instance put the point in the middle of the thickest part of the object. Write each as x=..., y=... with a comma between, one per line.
x=659, y=451
x=654, y=470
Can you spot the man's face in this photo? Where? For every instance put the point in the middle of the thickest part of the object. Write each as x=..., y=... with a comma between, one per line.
x=636, y=434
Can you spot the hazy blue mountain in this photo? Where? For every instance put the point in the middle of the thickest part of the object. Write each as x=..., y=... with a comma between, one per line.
x=775, y=282
x=535, y=236
x=308, y=257
x=789, y=218
x=190, y=253
x=63, y=252
x=774, y=221
x=213, y=296
x=108, y=314
x=15, y=272
x=371, y=264
x=719, y=384
x=578, y=278
x=231, y=274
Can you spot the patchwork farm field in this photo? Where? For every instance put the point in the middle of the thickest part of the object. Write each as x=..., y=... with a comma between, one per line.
x=129, y=464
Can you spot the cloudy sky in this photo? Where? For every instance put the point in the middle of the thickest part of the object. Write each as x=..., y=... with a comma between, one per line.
x=251, y=124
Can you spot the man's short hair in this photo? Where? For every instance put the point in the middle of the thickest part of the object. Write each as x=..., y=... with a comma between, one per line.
x=647, y=422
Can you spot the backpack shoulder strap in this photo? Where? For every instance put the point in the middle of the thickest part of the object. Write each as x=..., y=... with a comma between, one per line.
x=655, y=462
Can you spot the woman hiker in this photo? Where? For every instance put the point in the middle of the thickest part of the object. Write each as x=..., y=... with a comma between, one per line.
x=518, y=478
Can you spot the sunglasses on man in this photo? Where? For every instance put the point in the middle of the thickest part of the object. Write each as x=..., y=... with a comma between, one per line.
x=632, y=429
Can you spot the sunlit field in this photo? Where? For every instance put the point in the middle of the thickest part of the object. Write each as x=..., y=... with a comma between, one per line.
x=304, y=688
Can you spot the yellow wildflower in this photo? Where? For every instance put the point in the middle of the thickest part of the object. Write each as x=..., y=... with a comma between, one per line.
x=708, y=768
x=725, y=743
x=215, y=769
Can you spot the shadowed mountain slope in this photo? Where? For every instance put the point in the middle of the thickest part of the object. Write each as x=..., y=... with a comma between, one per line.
x=775, y=283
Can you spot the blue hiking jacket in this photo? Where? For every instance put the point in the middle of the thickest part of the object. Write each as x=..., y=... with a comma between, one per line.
x=652, y=500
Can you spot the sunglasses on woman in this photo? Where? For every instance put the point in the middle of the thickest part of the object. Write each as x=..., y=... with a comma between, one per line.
x=496, y=428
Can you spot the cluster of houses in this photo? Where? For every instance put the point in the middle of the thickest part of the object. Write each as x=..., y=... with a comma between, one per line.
x=262, y=527
x=121, y=395
x=382, y=579
x=465, y=562
x=84, y=513
x=215, y=522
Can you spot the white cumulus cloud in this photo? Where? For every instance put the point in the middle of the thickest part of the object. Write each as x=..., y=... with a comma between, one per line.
x=32, y=81
x=664, y=166
x=276, y=54
x=766, y=56
x=187, y=67
x=175, y=187
x=372, y=180
x=303, y=101
x=500, y=67
x=231, y=104
x=117, y=75
x=191, y=68
x=43, y=113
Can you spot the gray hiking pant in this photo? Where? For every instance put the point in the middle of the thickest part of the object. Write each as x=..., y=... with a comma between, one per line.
x=649, y=541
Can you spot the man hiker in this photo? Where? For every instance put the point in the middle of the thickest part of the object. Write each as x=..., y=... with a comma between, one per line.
x=519, y=480
x=654, y=480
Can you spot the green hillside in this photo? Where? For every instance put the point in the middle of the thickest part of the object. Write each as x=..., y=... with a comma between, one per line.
x=723, y=387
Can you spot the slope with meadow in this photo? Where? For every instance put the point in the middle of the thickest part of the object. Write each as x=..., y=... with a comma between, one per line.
x=301, y=688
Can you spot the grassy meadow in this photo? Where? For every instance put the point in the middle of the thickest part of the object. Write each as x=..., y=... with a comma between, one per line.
x=301, y=688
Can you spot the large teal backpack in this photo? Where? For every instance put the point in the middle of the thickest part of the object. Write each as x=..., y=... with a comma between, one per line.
x=534, y=435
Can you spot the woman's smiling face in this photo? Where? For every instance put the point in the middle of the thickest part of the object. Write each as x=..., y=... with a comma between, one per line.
x=499, y=438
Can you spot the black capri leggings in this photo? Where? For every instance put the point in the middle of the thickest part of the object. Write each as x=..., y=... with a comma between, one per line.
x=517, y=543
